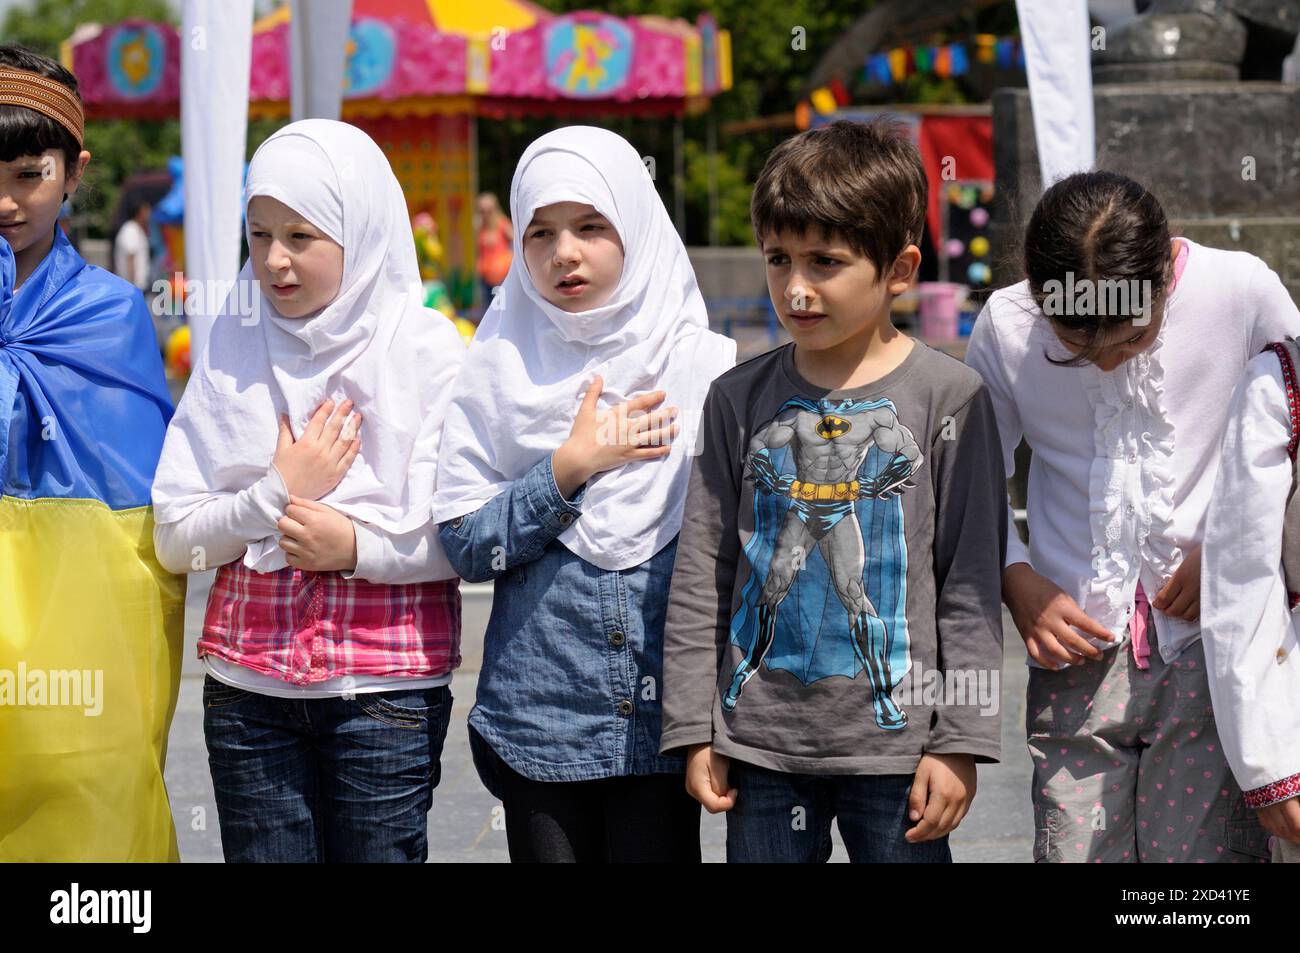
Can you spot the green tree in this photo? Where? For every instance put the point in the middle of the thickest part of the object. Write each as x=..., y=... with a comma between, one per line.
x=733, y=192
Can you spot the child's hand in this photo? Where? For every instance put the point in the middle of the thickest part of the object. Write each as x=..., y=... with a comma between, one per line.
x=941, y=794
x=314, y=464
x=706, y=779
x=604, y=439
x=1046, y=618
x=1282, y=819
x=1181, y=595
x=317, y=537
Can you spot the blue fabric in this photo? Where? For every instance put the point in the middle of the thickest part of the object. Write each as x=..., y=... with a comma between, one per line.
x=959, y=62
x=572, y=677
x=83, y=399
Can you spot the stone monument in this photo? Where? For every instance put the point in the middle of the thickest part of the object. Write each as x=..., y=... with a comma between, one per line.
x=1188, y=101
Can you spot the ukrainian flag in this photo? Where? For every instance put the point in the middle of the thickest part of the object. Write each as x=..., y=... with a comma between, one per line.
x=90, y=623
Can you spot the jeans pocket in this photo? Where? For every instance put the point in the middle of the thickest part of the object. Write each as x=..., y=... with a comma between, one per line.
x=1059, y=702
x=1245, y=835
x=1043, y=701
x=403, y=709
x=217, y=694
x=1191, y=685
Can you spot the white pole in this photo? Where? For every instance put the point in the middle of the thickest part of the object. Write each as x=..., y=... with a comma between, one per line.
x=318, y=52
x=216, y=46
x=1058, y=61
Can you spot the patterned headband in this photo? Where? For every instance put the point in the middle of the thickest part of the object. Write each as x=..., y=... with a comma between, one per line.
x=47, y=96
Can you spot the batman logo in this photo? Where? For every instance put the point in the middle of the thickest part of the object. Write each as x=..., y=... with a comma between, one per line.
x=832, y=426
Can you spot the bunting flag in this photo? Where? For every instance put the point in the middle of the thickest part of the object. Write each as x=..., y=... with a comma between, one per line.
x=958, y=60
x=891, y=67
x=802, y=116
x=943, y=62
x=898, y=64
x=894, y=66
x=838, y=91
x=1006, y=53
x=823, y=100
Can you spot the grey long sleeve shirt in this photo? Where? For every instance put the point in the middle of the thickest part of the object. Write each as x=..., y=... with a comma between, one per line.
x=835, y=603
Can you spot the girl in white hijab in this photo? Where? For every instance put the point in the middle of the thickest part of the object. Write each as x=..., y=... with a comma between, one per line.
x=331, y=587
x=563, y=477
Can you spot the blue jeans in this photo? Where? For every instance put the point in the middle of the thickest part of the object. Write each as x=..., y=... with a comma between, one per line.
x=786, y=818
x=324, y=779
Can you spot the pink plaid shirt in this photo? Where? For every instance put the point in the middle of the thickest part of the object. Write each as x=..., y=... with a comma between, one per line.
x=306, y=627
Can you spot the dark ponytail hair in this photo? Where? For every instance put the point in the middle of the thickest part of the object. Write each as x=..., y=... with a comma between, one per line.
x=26, y=132
x=1099, y=226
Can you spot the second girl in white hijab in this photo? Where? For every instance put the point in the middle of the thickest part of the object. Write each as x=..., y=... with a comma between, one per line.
x=563, y=477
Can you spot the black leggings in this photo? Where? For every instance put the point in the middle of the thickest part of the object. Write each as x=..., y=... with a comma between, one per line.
x=643, y=818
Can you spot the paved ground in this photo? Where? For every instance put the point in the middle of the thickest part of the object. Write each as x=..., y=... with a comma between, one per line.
x=999, y=828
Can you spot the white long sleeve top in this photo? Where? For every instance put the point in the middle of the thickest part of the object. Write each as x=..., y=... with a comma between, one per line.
x=221, y=529
x=1124, y=461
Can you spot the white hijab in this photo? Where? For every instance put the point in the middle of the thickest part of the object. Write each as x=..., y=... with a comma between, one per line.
x=374, y=343
x=530, y=362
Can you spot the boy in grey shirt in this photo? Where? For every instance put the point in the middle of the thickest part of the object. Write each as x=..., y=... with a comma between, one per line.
x=833, y=646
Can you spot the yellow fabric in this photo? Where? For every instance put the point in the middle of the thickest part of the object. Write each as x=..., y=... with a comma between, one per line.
x=823, y=101
x=694, y=76
x=465, y=17
x=478, y=60
x=480, y=17
x=81, y=592
x=273, y=19
x=724, y=58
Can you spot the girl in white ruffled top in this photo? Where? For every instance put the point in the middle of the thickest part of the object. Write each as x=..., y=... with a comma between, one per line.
x=1115, y=360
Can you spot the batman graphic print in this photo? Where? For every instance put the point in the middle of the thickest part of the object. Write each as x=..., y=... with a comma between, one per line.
x=827, y=595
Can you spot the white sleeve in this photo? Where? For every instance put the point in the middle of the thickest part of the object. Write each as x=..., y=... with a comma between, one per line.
x=220, y=529
x=417, y=556
x=1246, y=625
x=399, y=559
x=1276, y=316
x=984, y=356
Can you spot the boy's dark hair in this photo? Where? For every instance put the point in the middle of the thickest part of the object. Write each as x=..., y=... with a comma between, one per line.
x=26, y=132
x=1100, y=226
x=862, y=181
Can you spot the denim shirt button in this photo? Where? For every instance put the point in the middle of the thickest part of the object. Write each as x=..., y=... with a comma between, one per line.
x=566, y=518
x=617, y=638
x=625, y=708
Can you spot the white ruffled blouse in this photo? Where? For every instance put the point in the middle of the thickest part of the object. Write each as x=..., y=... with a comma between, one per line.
x=1124, y=461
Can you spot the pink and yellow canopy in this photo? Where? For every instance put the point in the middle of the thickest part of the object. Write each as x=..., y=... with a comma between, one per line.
x=421, y=57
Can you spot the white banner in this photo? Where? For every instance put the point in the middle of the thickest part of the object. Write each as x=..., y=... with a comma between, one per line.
x=216, y=47
x=318, y=32
x=1056, y=39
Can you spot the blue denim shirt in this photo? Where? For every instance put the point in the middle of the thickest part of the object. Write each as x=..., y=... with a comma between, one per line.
x=572, y=676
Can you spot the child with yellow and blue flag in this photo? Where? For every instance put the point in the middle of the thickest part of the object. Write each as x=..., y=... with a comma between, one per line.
x=90, y=623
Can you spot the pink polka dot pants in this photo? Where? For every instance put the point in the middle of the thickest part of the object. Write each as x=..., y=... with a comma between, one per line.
x=1128, y=767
